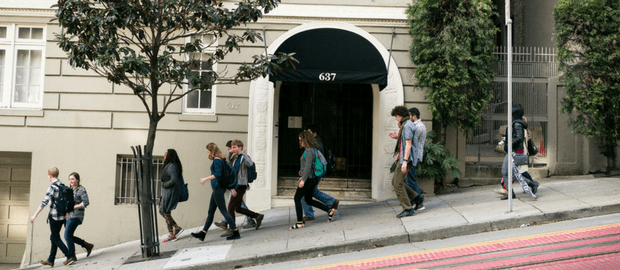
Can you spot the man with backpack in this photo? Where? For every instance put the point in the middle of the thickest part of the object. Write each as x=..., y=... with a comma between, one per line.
x=317, y=194
x=244, y=169
x=56, y=217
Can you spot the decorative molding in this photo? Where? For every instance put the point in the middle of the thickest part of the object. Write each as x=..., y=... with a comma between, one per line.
x=27, y=12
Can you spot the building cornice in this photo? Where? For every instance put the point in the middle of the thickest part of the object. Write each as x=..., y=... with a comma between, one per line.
x=27, y=12
x=356, y=22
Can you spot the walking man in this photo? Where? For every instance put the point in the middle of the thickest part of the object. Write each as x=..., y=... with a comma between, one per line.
x=419, y=138
x=403, y=148
x=240, y=167
x=55, y=219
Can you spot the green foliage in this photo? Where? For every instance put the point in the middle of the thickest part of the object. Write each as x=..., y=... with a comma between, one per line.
x=438, y=161
x=452, y=49
x=588, y=36
x=146, y=44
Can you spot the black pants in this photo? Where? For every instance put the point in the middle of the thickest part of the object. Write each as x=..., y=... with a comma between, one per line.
x=55, y=226
x=306, y=193
x=218, y=202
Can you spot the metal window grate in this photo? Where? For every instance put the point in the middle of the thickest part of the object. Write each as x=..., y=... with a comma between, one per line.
x=126, y=191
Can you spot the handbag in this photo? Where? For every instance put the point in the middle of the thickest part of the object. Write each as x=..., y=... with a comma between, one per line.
x=184, y=191
x=531, y=147
x=521, y=159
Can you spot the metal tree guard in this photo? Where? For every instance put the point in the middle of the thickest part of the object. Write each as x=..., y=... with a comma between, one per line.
x=149, y=239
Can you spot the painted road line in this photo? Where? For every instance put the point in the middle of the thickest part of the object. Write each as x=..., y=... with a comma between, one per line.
x=478, y=248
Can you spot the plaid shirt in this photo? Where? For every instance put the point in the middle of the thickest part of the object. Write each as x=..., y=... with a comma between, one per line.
x=53, y=193
x=418, y=140
x=81, y=198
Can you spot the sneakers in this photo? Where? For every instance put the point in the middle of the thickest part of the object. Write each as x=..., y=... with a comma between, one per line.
x=222, y=224
x=259, y=220
x=500, y=191
x=406, y=213
x=69, y=261
x=89, y=248
x=177, y=231
x=227, y=233
x=250, y=224
x=308, y=218
x=169, y=239
x=47, y=263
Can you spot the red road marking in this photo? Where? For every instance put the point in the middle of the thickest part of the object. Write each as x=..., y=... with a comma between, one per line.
x=482, y=248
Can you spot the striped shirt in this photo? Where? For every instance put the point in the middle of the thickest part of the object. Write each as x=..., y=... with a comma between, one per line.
x=52, y=194
x=81, y=198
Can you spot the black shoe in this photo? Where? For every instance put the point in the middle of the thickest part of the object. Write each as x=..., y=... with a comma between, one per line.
x=89, y=248
x=335, y=205
x=419, y=203
x=259, y=220
x=406, y=213
x=235, y=235
x=70, y=261
x=200, y=235
x=47, y=263
x=505, y=197
x=534, y=187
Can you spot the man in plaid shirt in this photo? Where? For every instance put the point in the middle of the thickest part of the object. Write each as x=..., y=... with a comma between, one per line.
x=55, y=219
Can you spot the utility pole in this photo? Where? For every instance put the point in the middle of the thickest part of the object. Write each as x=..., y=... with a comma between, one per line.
x=509, y=109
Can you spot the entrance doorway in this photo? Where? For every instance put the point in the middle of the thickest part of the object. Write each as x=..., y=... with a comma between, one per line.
x=14, y=202
x=343, y=116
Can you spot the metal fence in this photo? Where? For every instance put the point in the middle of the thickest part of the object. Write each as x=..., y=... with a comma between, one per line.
x=126, y=190
x=532, y=67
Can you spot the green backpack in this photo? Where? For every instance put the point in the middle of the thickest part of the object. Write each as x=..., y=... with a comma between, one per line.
x=320, y=164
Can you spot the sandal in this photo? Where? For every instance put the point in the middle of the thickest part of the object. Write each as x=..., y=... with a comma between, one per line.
x=298, y=225
x=331, y=214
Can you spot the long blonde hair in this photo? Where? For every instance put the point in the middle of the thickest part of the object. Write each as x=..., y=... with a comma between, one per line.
x=214, y=151
x=308, y=140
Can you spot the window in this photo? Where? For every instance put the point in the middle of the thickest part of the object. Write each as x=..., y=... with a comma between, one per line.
x=21, y=66
x=202, y=101
x=126, y=184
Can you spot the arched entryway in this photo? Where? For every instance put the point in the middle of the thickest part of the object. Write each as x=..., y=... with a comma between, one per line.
x=265, y=125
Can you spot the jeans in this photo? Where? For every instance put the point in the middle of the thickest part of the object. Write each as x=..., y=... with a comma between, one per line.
x=55, y=226
x=70, y=227
x=248, y=218
x=306, y=193
x=235, y=204
x=320, y=196
x=410, y=178
x=218, y=202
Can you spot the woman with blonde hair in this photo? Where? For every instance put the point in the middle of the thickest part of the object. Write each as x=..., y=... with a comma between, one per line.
x=307, y=181
x=218, y=171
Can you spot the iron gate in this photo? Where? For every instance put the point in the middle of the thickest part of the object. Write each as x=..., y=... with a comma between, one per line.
x=531, y=67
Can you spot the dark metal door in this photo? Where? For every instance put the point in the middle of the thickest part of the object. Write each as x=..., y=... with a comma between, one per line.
x=343, y=115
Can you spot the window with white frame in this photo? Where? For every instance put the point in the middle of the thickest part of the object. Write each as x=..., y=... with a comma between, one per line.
x=21, y=66
x=126, y=191
x=203, y=100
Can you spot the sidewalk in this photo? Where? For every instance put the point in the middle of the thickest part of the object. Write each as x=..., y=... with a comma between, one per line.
x=356, y=227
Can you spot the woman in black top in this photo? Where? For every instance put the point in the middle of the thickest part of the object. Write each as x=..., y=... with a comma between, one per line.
x=307, y=181
x=518, y=134
x=171, y=176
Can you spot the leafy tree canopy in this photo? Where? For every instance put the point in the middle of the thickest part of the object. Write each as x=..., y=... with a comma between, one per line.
x=588, y=36
x=145, y=44
x=452, y=49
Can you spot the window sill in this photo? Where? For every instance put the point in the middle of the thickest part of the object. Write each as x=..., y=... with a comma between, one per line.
x=198, y=117
x=21, y=112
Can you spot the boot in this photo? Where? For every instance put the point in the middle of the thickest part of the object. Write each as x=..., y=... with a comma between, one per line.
x=235, y=235
x=200, y=235
x=89, y=248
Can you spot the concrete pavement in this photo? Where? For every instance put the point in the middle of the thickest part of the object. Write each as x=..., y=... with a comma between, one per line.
x=366, y=226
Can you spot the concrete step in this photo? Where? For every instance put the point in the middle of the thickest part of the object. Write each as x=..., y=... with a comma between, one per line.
x=479, y=179
x=483, y=171
x=329, y=182
x=279, y=201
x=344, y=193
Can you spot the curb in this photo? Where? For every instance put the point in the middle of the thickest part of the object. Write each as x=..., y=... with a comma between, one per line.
x=413, y=237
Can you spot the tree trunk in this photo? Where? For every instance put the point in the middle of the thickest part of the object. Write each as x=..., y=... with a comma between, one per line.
x=148, y=205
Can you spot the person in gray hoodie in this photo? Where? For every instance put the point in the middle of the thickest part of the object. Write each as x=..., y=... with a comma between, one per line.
x=240, y=167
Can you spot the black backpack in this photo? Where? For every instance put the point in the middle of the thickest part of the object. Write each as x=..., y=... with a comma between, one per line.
x=228, y=179
x=331, y=160
x=65, y=201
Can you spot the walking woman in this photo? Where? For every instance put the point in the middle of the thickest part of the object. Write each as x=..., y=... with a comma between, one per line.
x=172, y=185
x=518, y=130
x=76, y=217
x=217, y=196
x=307, y=182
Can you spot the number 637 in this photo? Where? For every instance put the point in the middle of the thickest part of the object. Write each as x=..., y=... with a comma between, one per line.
x=329, y=77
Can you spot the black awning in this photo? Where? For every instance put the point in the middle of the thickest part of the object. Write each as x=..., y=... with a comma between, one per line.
x=332, y=55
